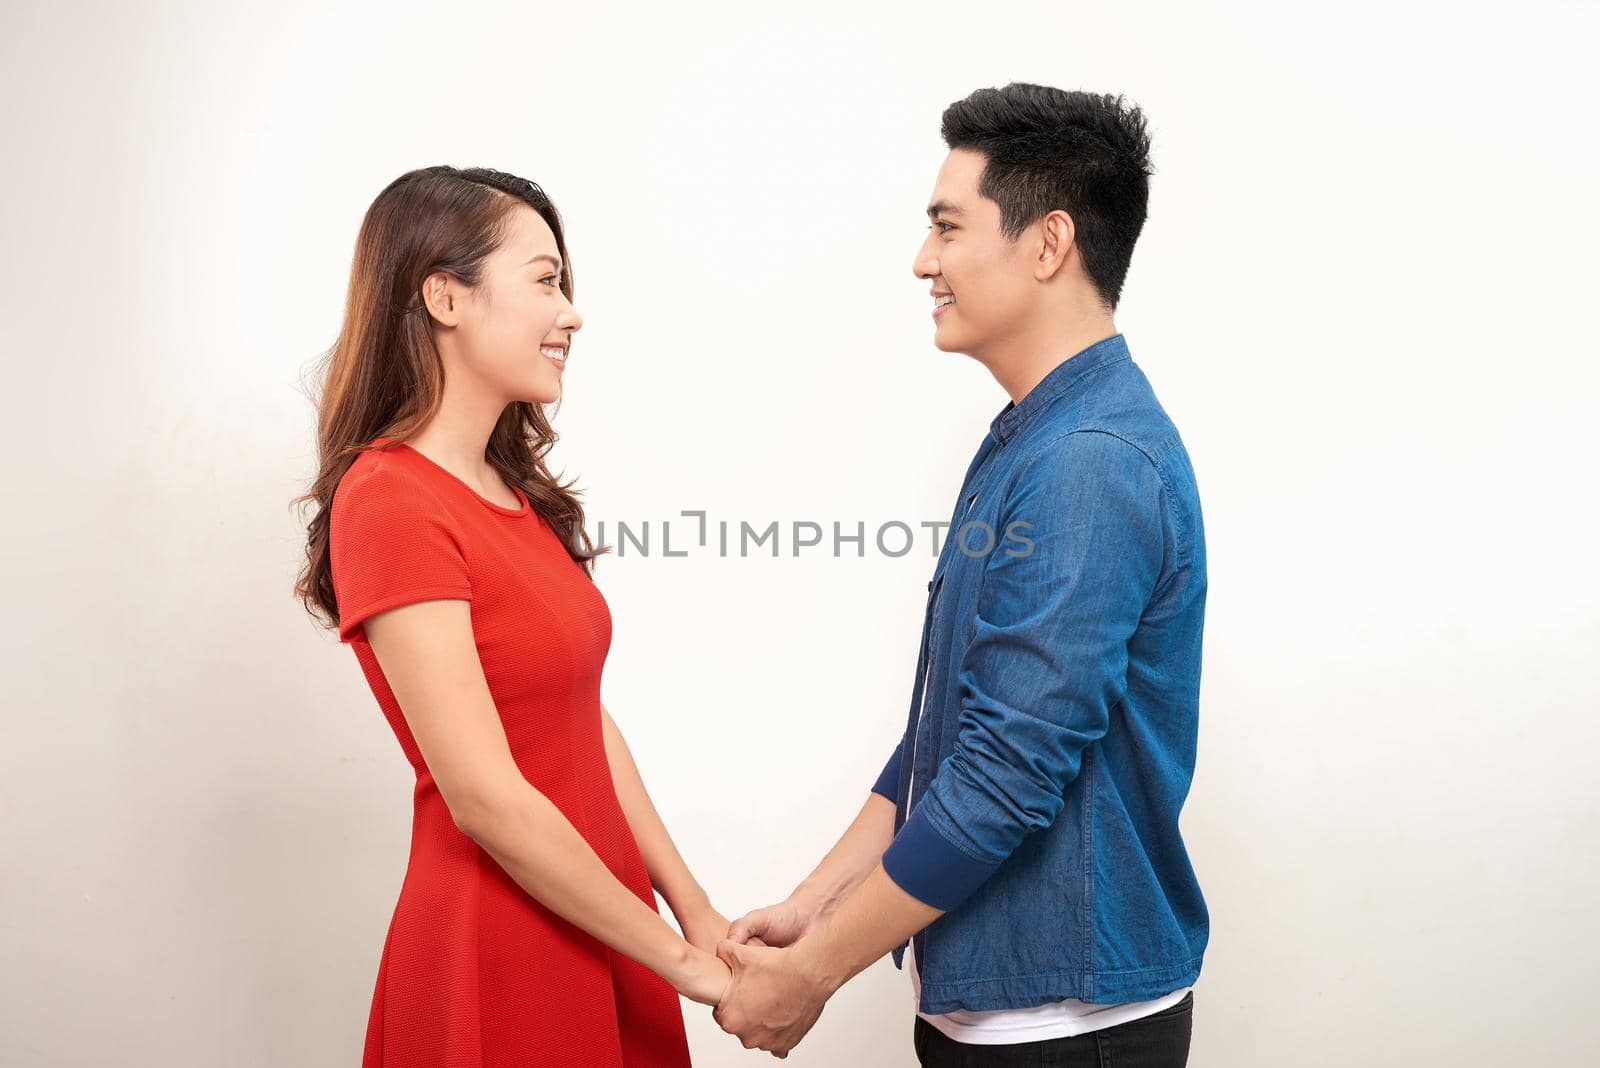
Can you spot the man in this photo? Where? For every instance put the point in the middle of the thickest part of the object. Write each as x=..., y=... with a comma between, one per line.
x=1024, y=834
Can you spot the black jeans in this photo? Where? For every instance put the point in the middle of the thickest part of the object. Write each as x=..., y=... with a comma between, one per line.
x=1158, y=1041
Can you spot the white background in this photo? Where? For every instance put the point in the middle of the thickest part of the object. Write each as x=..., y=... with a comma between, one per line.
x=1364, y=294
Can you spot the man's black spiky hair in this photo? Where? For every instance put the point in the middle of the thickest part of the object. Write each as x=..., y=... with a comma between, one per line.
x=1087, y=154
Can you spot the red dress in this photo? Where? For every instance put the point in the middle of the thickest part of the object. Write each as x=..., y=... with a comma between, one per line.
x=475, y=972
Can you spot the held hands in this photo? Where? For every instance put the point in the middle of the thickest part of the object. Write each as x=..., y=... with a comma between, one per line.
x=774, y=998
x=775, y=994
x=705, y=978
x=703, y=928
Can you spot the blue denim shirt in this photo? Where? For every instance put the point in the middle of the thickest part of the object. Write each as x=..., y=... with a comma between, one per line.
x=1054, y=716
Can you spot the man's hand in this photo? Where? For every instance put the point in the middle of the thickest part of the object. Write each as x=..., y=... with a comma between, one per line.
x=782, y=924
x=773, y=999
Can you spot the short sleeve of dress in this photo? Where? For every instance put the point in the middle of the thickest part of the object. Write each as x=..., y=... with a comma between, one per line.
x=390, y=543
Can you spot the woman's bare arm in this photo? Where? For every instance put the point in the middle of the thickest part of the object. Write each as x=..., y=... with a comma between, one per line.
x=702, y=924
x=430, y=660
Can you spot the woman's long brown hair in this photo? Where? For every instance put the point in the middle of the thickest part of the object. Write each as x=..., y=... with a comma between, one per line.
x=384, y=375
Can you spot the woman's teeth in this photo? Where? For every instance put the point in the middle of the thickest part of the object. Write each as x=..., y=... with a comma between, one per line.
x=558, y=355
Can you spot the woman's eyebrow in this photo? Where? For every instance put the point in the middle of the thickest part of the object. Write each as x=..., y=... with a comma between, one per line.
x=555, y=261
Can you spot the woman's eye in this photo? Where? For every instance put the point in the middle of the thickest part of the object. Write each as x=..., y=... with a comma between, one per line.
x=553, y=279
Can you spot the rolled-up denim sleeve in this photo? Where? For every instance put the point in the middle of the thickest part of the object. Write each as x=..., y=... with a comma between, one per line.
x=1047, y=660
x=888, y=783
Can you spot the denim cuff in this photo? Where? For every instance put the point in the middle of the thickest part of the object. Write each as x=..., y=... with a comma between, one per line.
x=924, y=864
x=888, y=783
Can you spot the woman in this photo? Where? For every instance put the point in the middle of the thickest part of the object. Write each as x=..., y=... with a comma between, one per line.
x=457, y=568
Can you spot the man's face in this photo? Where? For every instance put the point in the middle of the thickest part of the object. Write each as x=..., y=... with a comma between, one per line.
x=983, y=285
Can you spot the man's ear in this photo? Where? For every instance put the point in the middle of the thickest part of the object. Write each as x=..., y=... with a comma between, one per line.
x=1058, y=234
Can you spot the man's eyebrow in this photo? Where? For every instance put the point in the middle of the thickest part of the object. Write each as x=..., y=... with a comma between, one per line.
x=555, y=261
x=942, y=207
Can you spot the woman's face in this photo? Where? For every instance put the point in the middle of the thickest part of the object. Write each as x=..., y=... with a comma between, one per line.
x=515, y=331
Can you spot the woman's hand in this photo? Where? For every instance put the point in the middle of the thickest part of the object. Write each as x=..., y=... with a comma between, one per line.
x=705, y=978
x=703, y=927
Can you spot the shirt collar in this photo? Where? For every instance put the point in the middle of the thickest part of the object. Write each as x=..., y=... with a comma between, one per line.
x=1061, y=378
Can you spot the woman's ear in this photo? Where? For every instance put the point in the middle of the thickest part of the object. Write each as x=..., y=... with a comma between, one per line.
x=438, y=296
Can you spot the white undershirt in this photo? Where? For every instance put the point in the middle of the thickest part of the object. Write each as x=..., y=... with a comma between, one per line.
x=1057, y=1019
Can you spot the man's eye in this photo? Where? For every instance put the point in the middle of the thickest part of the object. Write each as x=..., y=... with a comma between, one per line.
x=944, y=224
